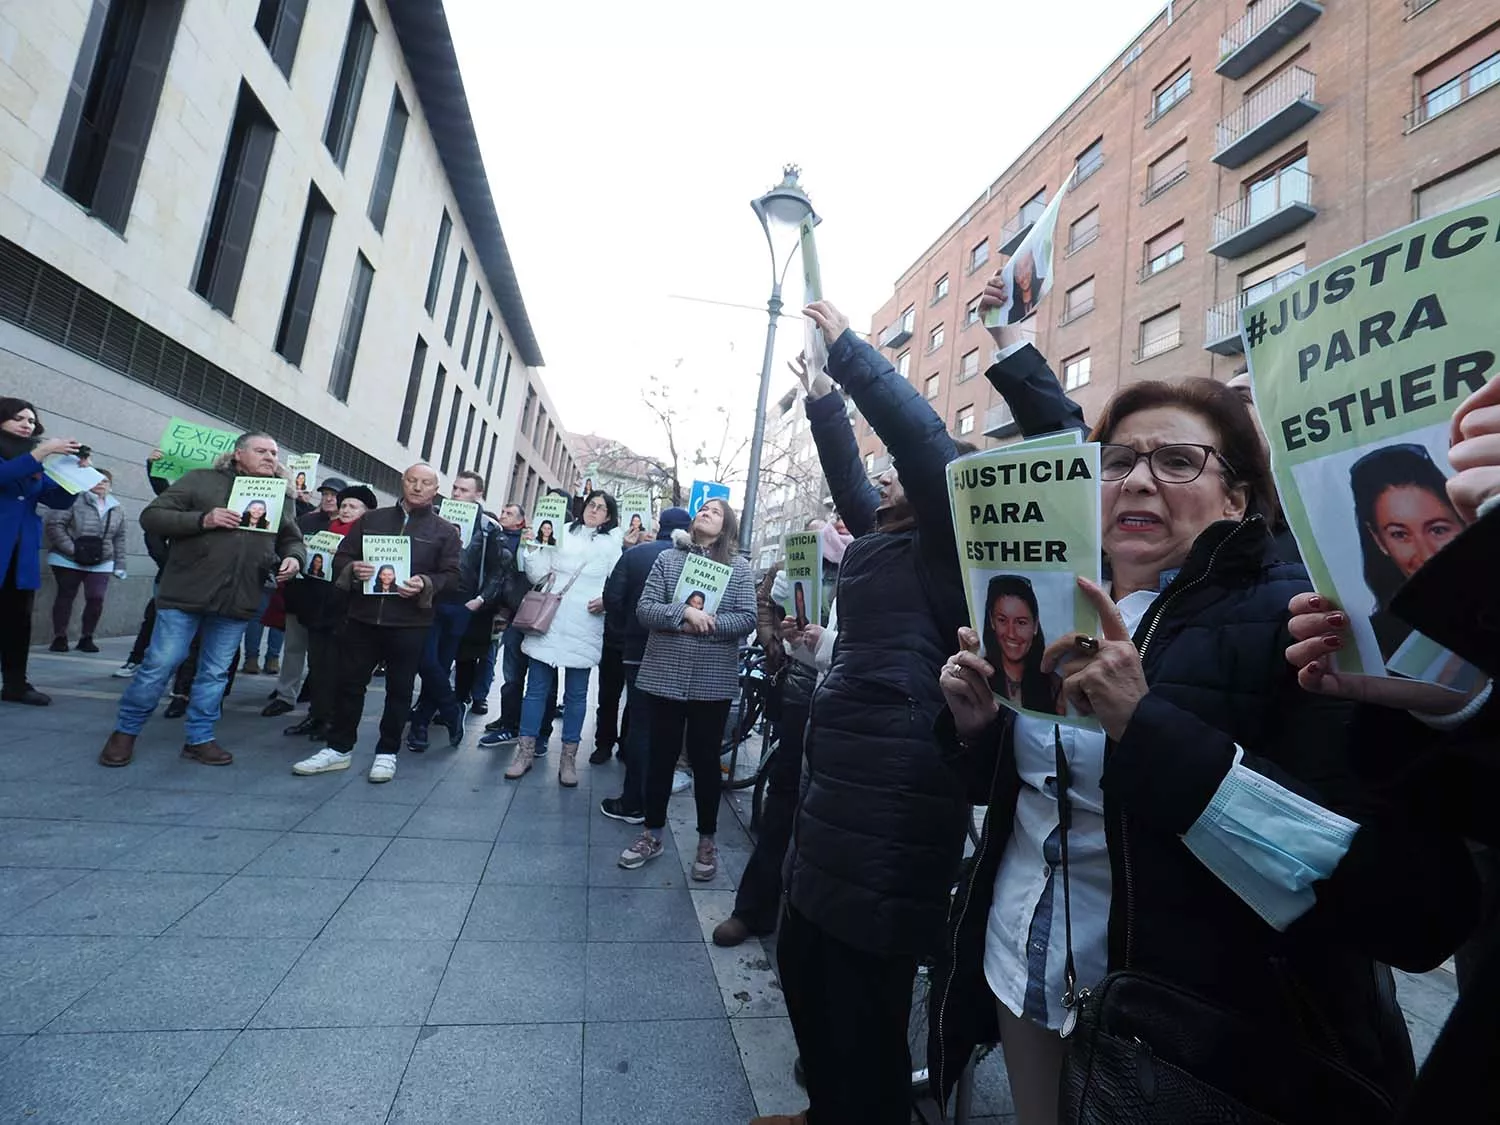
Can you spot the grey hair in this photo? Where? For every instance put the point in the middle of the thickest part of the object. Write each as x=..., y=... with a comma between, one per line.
x=248, y=436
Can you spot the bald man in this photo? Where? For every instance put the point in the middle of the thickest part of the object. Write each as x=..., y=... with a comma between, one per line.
x=388, y=627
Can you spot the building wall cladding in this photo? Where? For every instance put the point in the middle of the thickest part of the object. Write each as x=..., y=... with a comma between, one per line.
x=1364, y=161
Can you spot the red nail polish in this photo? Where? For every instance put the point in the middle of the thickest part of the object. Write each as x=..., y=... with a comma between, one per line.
x=1316, y=602
x=1333, y=640
x=1337, y=621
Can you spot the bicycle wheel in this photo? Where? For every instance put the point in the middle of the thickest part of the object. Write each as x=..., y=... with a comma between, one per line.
x=916, y=1028
x=770, y=744
x=741, y=768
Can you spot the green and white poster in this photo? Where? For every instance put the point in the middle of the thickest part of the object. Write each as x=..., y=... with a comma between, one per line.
x=187, y=445
x=304, y=470
x=461, y=514
x=1027, y=524
x=390, y=555
x=702, y=583
x=549, y=521
x=1027, y=275
x=321, y=547
x=813, y=345
x=635, y=514
x=258, y=502
x=1357, y=370
x=803, y=551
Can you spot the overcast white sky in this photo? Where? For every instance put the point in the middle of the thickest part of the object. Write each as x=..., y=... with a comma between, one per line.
x=624, y=143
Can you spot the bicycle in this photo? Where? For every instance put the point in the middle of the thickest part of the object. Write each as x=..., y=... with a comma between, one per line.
x=747, y=717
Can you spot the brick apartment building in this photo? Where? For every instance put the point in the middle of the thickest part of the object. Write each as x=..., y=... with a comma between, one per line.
x=1229, y=148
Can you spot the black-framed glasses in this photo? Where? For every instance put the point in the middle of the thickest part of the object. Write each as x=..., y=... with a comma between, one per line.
x=1169, y=464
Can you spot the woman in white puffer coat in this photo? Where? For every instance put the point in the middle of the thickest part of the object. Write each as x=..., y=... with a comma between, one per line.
x=579, y=566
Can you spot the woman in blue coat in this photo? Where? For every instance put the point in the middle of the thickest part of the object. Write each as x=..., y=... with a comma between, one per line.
x=22, y=488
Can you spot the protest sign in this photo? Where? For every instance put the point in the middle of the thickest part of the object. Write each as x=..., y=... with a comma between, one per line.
x=461, y=514
x=258, y=502
x=804, y=577
x=635, y=513
x=1356, y=370
x=1027, y=277
x=390, y=555
x=702, y=583
x=304, y=470
x=64, y=469
x=321, y=547
x=549, y=520
x=814, y=347
x=187, y=445
x=703, y=491
x=1027, y=523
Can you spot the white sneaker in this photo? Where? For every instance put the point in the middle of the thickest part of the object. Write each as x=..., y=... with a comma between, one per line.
x=682, y=781
x=126, y=670
x=384, y=768
x=325, y=760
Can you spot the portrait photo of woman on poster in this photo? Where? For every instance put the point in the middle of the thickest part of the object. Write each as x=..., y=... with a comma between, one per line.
x=301, y=483
x=696, y=600
x=316, y=566
x=635, y=527
x=1026, y=287
x=545, y=536
x=254, y=516
x=799, y=603
x=385, y=580
x=1014, y=642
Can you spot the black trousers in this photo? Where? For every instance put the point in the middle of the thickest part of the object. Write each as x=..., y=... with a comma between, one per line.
x=701, y=724
x=15, y=627
x=607, y=730
x=758, y=901
x=143, y=635
x=322, y=673
x=360, y=648
x=849, y=1011
x=182, y=683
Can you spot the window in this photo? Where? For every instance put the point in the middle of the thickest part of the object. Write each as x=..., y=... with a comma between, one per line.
x=1458, y=76
x=344, y=108
x=1166, y=170
x=1078, y=301
x=903, y=364
x=439, y=257
x=1163, y=251
x=433, y=407
x=231, y=219
x=931, y=387
x=454, y=404
x=979, y=254
x=966, y=421
x=484, y=347
x=390, y=156
x=1076, y=371
x=940, y=289
x=1273, y=276
x=971, y=313
x=1170, y=92
x=514, y=493
x=1269, y=191
x=504, y=381
x=909, y=318
x=484, y=436
x=494, y=373
x=473, y=323
x=935, y=339
x=1160, y=334
x=968, y=367
x=413, y=391
x=307, y=271
x=1088, y=161
x=489, y=465
x=1464, y=186
x=456, y=301
x=354, y=323
x=279, y=25
x=111, y=105
x=463, y=452
x=1083, y=230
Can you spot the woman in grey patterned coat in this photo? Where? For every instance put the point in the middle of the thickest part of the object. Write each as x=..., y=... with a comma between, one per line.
x=691, y=674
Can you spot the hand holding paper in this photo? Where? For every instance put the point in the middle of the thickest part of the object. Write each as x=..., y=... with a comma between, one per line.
x=1104, y=679
x=828, y=318
x=965, y=680
x=220, y=518
x=1475, y=435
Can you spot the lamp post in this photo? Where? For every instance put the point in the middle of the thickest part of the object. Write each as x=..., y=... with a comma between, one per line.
x=780, y=211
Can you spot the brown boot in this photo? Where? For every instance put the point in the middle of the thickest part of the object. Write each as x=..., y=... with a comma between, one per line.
x=208, y=753
x=520, y=760
x=567, y=766
x=118, y=750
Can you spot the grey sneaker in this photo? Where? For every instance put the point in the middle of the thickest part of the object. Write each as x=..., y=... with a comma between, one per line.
x=706, y=863
x=647, y=848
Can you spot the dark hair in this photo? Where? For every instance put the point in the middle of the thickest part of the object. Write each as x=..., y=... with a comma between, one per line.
x=727, y=545
x=699, y=594
x=383, y=568
x=609, y=502
x=1239, y=441
x=1391, y=466
x=315, y=564
x=1036, y=686
x=470, y=474
x=13, y=445
x=551, y=531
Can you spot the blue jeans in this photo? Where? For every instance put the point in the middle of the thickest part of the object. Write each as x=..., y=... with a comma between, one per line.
x=171, y=637
x=449, y=621
x=484, y=673
x=540, y=680
x=254, y=629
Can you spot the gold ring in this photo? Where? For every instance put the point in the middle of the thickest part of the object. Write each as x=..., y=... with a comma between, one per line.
x=1086, y=643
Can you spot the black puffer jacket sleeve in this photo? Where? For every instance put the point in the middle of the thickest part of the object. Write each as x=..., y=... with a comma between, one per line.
x=1034, y=394
x=838, y=453
x=497, y=560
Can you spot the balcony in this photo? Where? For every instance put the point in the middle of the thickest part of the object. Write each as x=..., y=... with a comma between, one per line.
x=1265, y=29
x=896, y=335
x=1221, y=331
x=1273, y=207
x=1160, y=181
x=1271, y=114
x=999, y=422
x=1018, y=228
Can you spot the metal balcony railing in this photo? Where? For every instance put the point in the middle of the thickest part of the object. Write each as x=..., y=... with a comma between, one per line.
x=1261, y=32
x=999, y=421
x=1085, y=238
x=1169, y=178
x=1159, y=345
x=1016, y=230
x=1075, y=310
x=1269, y=208
x=1273, y=112
x=1480, y=77
x=1221, y=329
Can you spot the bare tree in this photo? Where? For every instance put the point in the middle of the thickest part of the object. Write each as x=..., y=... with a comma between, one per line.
x=658, y=400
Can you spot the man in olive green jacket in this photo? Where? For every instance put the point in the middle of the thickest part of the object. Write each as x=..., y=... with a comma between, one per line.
x=210, y=587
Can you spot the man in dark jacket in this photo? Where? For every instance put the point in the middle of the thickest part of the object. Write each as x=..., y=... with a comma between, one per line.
x=481, y=576
x=621, y=594
x=210, y=588
x=381, y=628
x=514, y=662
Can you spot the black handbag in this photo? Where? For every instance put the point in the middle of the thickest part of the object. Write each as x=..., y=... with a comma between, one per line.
x=1144, y=1051
x=88, y=550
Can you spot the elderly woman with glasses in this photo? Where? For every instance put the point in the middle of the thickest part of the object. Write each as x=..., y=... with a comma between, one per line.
x=1212, y=837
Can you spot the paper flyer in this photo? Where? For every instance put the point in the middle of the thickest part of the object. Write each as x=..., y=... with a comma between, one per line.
x=549, y=521
x=391, y=557
x=321, y=547
x=1027, y=276
x=635, y=513
x=1356, y=370
x=187, y=445
x=462, y=514
x=64, y=469
x=702, y=583
x=258, y=502
x=803, y=551
x=1027, y=523
x=304, y=470
x=703, y=491
x=813, y=344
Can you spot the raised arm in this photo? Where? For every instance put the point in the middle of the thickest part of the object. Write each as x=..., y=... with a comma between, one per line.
x=1033, y=393
x=838, y=453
